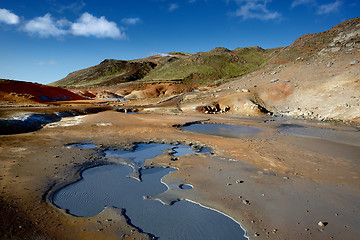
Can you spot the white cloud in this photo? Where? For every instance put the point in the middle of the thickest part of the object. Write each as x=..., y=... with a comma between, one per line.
x=302, y=2
x=329, y=8
x=45, y=26
x=130, y=21
x=173, y=7
x=255, y=9
x=88, y=25
x=160, y=54
x=8, y=17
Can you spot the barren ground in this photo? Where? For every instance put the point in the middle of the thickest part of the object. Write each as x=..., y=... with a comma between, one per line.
x=291, y=183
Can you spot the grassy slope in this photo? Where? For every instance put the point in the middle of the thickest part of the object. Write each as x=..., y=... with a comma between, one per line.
x=205, y=67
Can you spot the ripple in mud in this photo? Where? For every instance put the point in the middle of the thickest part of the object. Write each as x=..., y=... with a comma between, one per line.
x=224, y=130
x=108, y=186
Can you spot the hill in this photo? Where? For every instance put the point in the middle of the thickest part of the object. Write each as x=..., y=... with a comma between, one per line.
x=317, y=77
x=204, y=67
x=108, y=72
x=199, y=68
x=27, y=92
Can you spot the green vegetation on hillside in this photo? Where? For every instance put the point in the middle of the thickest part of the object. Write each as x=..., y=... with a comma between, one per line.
x=205, y=67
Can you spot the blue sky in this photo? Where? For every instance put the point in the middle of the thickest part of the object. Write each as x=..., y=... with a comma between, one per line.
x=44, y=40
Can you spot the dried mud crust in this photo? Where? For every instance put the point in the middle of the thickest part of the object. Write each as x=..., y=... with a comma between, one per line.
x=278, y=187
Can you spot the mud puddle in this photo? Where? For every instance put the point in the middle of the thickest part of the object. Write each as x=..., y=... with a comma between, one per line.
x=225, y=130
x=108, y=185
x=349, y=136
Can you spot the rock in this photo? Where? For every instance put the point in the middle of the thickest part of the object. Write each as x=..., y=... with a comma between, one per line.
x=287, y=80
x=256, y=234
x=245, y=90
x=274, y=80
x=246, y=202
x=354, y=62
x=322, y=224
x=330, y=63
x=239, y=181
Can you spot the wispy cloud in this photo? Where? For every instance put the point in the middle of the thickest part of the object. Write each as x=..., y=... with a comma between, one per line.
x=321, y=9
x=42, y=63
x=173, y=7
x=89, y=25
x=160, y=54
x=60, y=7
x=130, y=21
x=329, y=8
x=8, y=17
x=45, y=26
x=255, y=9
x=296, y=3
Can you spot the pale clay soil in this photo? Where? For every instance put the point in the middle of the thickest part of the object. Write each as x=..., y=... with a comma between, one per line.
x=291, y=182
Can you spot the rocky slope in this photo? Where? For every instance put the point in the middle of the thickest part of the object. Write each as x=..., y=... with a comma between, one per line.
x=317, y=77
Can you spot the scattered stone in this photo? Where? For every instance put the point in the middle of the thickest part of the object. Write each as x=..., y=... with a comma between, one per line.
x=256, y=234
x=239, y=181
x=354, y=62
x=322, y=224
x=274, y=80
x=229, y=184
x=246, y=202
x=274, y=230
x=330, y=63
x=245, y=90
x=287, y=80
x=286, y=178
x=273, y=73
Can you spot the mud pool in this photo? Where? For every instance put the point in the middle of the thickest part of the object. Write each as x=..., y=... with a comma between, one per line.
x=348, y=136
x=224, y=130
x=108, y=186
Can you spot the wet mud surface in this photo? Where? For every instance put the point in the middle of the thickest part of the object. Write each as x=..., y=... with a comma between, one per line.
x=279, y=186
x=108, y=186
